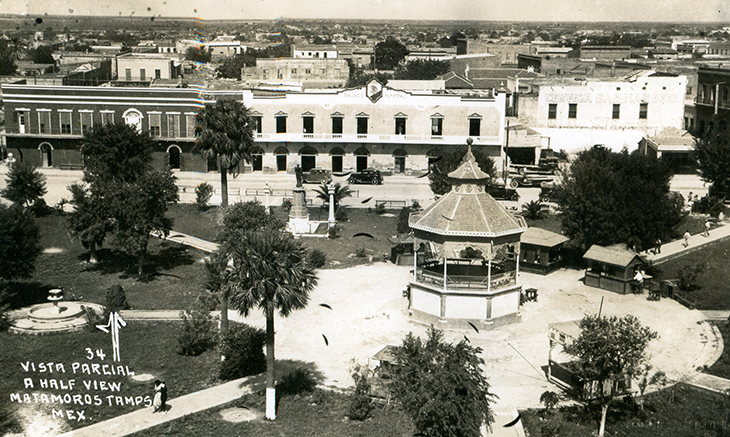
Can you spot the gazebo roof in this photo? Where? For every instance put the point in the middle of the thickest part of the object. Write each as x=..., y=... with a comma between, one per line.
x=467, y=210
x=542, y=237
x=614, y=255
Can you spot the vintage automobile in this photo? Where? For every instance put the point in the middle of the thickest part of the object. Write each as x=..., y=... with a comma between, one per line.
x=530, y=179
x=367, y=176
x=501, y=192
x=546, y=192
x=317, y=175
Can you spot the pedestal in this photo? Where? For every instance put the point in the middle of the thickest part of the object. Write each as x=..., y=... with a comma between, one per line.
x=298, y=215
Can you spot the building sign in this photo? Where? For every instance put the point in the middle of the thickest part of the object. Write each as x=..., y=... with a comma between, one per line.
x=611, y=98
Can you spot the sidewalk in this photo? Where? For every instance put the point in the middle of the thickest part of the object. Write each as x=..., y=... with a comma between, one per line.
x=176, y=408
x=676, y=248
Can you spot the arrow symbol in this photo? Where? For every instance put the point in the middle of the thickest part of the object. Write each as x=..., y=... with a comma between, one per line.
x=115, y=323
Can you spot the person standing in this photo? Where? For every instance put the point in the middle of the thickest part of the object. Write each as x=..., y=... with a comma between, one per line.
x=686, y=238
x=160, y=400
x=707, y=228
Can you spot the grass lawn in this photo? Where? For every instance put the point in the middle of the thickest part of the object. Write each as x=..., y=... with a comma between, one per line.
x=320, y=414
x=175, y=275
x=721, y=367
x=678, y=411
x=145, y=347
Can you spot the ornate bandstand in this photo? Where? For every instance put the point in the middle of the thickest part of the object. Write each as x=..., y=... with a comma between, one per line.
x=467, y=264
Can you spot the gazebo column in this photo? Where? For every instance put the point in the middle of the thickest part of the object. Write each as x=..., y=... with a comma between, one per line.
x=517, y=268
x=489, y=276
x=445, y=262
x=415, y=260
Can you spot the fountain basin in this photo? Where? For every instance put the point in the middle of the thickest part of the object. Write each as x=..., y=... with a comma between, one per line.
x=48, y=317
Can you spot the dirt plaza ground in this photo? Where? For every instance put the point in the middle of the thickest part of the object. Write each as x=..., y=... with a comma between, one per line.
x=369, y=312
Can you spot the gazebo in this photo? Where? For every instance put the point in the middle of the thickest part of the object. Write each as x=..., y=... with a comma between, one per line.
x=468, y=245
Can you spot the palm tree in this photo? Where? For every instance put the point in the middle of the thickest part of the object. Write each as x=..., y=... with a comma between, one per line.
x=225, y=132
x=339, y=191
x=269, y=272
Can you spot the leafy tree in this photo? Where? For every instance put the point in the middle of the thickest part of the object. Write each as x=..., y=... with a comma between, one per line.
x=196, y=54
x=389, y=54
x=422, y=69
x=609, y=348
x=8, y=56
x=24, y=184
x=231, y=67
x=339, y=191
x=647, y=379
x=713, y=161
x=225, y=132
x=42, y=55
x=20, y=244
x=441, y=386
x=607, y=198
x=139, y=210
x=125, y=189
x=238, y=219
x=550, y=399
x=449, y=160
x=269, y=272
x=89, y=221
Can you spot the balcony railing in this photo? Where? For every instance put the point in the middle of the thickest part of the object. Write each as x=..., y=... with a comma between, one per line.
x=466, y=282
x=375, y=138
x=725, y=104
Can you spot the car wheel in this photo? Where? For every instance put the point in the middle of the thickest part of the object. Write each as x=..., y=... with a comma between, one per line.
x=545, y=199
x=513, y=183
x=375, y=181
x=350, y=180
x=515, y=197
x=325, y=181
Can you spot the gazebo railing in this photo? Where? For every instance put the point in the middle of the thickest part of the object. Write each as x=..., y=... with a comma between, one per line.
x=466, y=282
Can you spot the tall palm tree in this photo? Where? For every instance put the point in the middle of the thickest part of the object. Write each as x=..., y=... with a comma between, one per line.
x=225, y=132
x=269, y=272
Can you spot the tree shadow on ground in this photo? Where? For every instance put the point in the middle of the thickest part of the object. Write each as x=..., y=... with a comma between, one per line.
x=18, y=294
x=160, y=259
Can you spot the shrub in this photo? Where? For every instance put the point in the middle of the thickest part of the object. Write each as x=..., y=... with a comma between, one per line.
x=380, y=208
x=40, y=208
x=333, y=232
x=197, y=334
x=297, y=381
x=286, y=204
x=116, y=299
x=361, y=252
x=203, y=193
x=316, y=258
x=341, y=214
x=243, y=352
x=4, y=318
x=94, y=317
x=533, y=210
x=687, y=274
x=402, y=226
x=360, y=403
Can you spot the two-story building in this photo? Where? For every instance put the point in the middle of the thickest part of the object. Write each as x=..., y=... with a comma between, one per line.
x=712, y=104
x=143, y=68
x=308, y=72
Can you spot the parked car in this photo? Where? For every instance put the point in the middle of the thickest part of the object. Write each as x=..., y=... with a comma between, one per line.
x=317, y=175
x=546, y=192
x=529, y=179
x=367, y=176
x=501, y=192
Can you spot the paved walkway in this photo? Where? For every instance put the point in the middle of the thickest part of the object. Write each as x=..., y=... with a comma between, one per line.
x=676, y=248
x=176, y=408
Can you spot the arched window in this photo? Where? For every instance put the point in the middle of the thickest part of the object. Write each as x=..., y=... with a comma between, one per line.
x=257, y=159
x=133, y=118
x=174, y=157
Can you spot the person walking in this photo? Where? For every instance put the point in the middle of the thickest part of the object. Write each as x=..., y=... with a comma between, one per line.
x=160, y=399
x=658, y=246
x=686, y=238
x=707, y=228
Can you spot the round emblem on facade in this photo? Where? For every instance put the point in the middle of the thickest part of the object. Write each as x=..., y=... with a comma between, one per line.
x=468, y=188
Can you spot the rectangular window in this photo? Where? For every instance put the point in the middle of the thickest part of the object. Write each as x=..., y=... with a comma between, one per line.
x=128, y=74
x=257, y=120
x=44, y=122
x=362, y=125
x=322, y=72
x=400, y=126
x=552, y=111
x=281, y=124
x=107, y=118
x=190, y=125
x=308, y=125
x=337, y=125
x=475, y=127
x=279, y=73
x=437, y=126
x=572, y=110
x=643, y=110
x=173, y=125
x=142, y=74
x=65, y=122
x=22, y=118
x=308, y=71
x=265, y=74
x=293, y=71
x=155, y=125
x=87, y=122
x=158, y=73
x=616, y=111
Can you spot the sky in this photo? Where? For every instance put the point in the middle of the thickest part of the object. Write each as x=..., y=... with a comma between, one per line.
x=489, y=10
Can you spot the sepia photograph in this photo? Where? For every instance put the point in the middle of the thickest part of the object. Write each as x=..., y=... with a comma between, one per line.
x=364, y=218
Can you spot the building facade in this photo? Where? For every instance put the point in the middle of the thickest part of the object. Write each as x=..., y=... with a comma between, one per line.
x=340, y=130
x=309, y=72
x=712, y=105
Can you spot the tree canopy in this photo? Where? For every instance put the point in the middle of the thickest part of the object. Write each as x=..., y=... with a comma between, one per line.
x=20, y=244
x=448, y=160
x=610, y=348
x=422, y=69
x=24, y=184
x=225, y=132
x=441, y=386
x=607, y=198
x=713, y=160
x=8, y=56
x=390, y=54
x=198, y=55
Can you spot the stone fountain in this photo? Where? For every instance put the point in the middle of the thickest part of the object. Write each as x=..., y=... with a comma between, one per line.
x=56, y=316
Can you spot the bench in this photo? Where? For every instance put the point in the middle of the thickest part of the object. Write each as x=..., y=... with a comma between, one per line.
x=72, y=166
x=391, y=203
